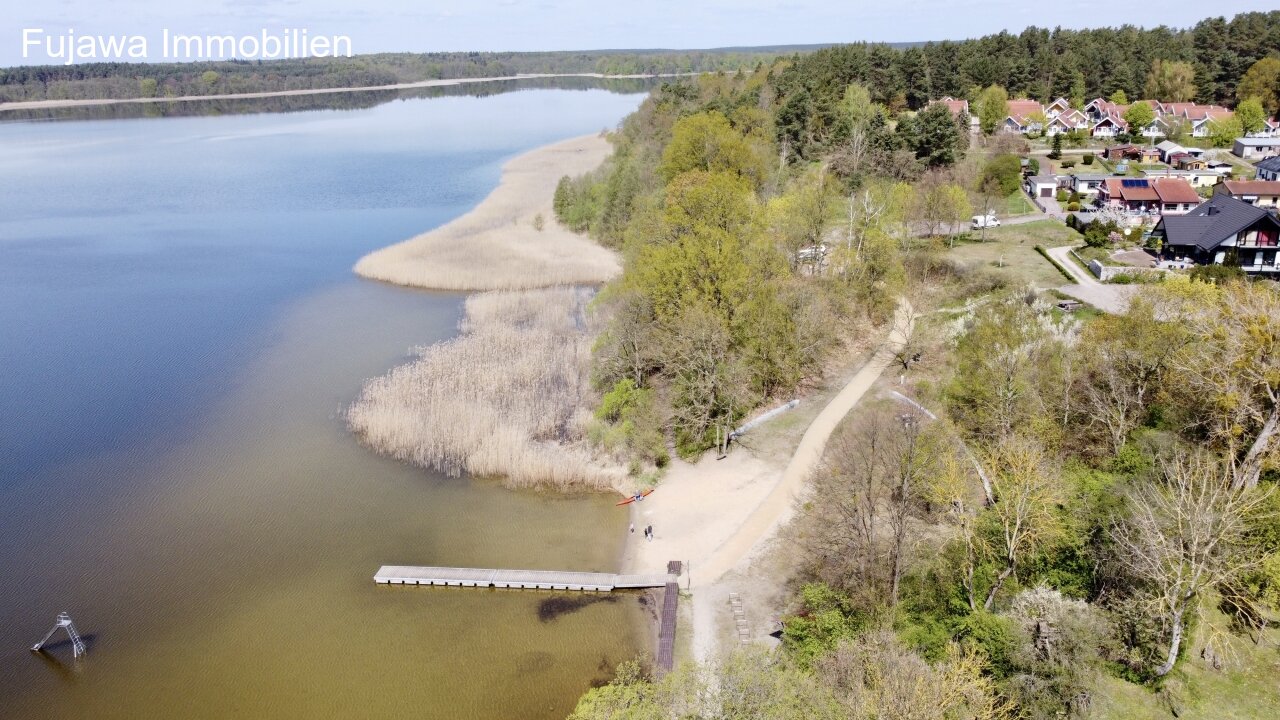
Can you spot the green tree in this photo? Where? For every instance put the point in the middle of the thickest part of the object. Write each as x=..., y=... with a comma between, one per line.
x=1119, y=97
x=1006, y=170
x=1171, y=81
x=1055, y=152
x=706, y=141
x=857, y=106
x=993, y=108
x=1223, y=132
x=1139, y=116
x=210, y=79
x=1078, y=90
x=1262, y=81
x=1251, y=115
x=147, y=87
x=933, y=135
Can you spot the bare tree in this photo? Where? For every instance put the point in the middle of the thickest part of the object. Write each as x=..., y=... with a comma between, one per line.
x=1183, y=534
x=865, y=494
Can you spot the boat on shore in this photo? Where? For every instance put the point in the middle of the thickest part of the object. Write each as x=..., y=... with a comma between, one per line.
x=633, y=498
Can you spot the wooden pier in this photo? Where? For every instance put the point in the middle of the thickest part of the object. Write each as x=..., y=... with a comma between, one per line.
x=667, y=623
x=521, y=579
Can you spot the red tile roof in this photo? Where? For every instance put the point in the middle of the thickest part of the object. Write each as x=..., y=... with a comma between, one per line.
x=1176, y=190
x=1253, y=187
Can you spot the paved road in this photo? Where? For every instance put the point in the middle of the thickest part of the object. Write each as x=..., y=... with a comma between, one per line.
x=1108, y=298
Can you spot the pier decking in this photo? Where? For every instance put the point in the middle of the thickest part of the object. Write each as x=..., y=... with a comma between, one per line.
x=523, y=579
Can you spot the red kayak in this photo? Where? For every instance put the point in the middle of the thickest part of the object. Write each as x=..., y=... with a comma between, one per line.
x=633, y=498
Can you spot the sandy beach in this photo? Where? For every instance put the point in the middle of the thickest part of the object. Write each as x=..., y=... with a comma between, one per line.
x=498, y=246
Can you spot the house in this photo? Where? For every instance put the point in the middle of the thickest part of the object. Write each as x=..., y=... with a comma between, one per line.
x=1056, y=108
x=1157, y=129
x=1139, y=197
x=1269, y=169
x=1196, y=178
x=1041, y=186
x=1252, y=147
x=1086, y=184
x=1270, y=128
x=1259, y=193
x=1022, y=116
x=1222, y=231
x=1169, y=148
x=1099, y=108
x=1187, y=161
x=1218, y=166
x=1066, y=122
x=1108, y=126
x=1137, y=153
x=1200, y=117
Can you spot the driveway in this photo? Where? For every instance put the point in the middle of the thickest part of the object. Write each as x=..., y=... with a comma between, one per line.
x=1107, y=298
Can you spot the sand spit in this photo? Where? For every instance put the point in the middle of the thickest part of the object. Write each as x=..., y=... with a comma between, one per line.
x=497, y=246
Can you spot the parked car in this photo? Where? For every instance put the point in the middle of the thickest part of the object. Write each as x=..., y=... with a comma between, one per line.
x=981, y=221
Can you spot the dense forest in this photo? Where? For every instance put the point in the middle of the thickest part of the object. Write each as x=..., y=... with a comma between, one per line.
x=130, y=80
x=1092, y=517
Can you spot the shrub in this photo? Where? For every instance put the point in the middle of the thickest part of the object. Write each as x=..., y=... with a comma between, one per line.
x=1088, y=159
x=1062, y=195
x=1067, y=164
x=1073, y=207
x=1217, y=274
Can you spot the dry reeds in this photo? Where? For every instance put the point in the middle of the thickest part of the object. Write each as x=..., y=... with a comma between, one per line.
x=498, y=245
x=506, y=398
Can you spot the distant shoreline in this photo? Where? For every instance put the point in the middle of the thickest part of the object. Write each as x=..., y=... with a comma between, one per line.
x=48, y=104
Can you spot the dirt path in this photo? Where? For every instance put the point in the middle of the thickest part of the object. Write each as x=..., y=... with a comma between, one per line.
x=777, y=505
x=43, y=104
x=1108, y=298
x=716, y=515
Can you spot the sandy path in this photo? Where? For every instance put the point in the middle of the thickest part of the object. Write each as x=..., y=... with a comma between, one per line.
x=43, y=104
x=717, y=514
x=497, y=245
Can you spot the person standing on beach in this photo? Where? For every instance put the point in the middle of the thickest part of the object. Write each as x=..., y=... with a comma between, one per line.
x=633, y=528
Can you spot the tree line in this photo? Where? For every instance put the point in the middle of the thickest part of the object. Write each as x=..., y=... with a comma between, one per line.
x=131, y=80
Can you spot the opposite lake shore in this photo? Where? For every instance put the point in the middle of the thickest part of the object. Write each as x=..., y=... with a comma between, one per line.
x=48, y=104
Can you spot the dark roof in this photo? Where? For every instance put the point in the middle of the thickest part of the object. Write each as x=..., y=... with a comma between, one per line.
x=1212, y=222
x=1271, y=163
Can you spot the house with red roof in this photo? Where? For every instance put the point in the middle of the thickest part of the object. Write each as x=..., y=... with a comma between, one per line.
x=1259, y=193
x=1022, y=116
x=1148, y=197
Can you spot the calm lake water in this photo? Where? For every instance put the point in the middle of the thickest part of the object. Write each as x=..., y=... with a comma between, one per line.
x=180, y=332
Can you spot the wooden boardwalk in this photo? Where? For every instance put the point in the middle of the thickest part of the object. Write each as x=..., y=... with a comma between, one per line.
x=667, y=623
x=523, y=579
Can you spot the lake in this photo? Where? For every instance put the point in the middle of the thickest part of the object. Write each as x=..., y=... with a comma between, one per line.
x=180, y=333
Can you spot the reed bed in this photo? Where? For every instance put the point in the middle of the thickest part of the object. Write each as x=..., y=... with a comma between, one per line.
x=501, y=245
x=506, y=398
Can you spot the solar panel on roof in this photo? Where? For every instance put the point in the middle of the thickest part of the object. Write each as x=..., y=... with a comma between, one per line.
x=1131, y=183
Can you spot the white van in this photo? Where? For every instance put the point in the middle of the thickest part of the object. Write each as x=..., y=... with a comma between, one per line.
x=981, y=221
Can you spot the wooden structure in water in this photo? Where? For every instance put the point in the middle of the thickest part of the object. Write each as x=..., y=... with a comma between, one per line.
x=553, y=580
x=520, y=579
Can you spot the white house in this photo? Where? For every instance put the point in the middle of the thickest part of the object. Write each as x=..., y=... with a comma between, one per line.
x=1251, y=148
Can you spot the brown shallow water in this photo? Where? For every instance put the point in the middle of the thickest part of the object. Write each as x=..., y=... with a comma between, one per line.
x=246, y=589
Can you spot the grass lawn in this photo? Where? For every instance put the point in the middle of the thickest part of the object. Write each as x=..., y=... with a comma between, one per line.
x=1017, y=204
x=1011, y=250
x=1244, y=689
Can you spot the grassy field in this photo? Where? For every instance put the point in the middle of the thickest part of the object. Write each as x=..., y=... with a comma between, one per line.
x=1244, y=689
x=1011, y=250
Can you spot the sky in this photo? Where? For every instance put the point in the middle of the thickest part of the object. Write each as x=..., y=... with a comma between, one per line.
x=443, y=25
